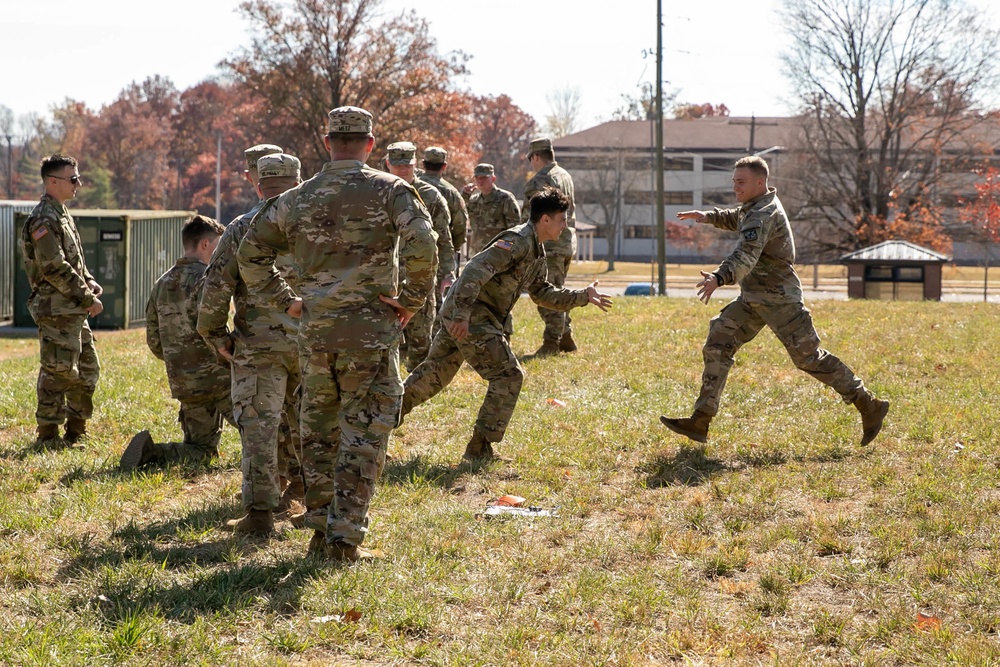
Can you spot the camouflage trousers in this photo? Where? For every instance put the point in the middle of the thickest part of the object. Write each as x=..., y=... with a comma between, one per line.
x=417, y=334
x=489, y=354
x=266, y=405
x=350, y=404
x=68, y=371
x=557, y=323
x=201, y=421
x=739, y=322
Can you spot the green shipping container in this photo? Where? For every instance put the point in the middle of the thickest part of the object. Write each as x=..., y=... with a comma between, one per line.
x=126, y=251
x=8, y=239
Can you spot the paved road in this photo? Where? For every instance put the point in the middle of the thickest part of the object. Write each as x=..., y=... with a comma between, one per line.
x=678, y=289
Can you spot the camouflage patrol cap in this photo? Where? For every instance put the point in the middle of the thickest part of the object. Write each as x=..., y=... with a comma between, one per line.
x=278, y=165
x=402, y=152
x=483, y=169
x=539, y=144
x=435, y=155
x=349, y=120
x=255, y=153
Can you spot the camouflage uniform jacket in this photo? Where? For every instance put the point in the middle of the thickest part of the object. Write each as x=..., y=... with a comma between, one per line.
x=456, y=207
x=493, y=280
x=54, y=262
x=491, y=214
x=193, y=369
x=348, y=229
x=437, y=206
x=258, y=324
x=554, y=176
x=763, y=262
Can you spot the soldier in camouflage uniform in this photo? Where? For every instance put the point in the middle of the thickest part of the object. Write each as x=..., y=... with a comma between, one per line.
x=63, y=295
x=491, y=209
x=349, y=230
x=417, y=336
x=771, y=295
x=265, y=363
x=435, y=164
x=198, y=378
x=558, y=334
x=475, y=317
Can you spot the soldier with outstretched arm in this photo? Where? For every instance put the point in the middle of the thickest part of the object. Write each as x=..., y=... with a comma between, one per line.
x=770, y=295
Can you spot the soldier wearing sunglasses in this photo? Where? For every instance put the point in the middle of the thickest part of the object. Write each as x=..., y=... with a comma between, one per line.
x=63, y=295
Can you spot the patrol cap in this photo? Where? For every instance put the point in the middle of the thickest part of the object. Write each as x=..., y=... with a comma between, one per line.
x=435, y=155
x=483, y=169
x=254, y=153
x=349, y=120
x=402, y=152
x=539, y=144
x=278, y=165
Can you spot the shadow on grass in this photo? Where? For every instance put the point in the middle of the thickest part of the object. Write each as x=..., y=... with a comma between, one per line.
x=689, y=466
x=420, y=471
x=274, y=587
x=191, y=577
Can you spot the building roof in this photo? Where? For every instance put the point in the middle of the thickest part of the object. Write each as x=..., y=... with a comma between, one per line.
x=730, y=134
x=895, y=251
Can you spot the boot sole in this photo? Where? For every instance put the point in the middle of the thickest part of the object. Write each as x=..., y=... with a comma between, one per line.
x=697, y=437
x=132, y=456
x=883, y=413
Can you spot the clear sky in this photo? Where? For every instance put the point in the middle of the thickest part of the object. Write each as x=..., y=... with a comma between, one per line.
x=524, y=48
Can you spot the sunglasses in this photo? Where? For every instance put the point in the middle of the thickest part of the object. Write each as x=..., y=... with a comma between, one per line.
x=74, y=179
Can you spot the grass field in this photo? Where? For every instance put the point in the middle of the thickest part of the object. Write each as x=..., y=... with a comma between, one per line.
x=781, y=542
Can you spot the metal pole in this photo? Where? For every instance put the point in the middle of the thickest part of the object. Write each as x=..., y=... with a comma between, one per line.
x=661, y=225
x=218, y=176
x=10, y=173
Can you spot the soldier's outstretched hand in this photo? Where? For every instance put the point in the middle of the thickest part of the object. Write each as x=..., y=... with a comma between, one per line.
x=599, y=299
x=697, y=216
x=707, y=286
x=403, y=315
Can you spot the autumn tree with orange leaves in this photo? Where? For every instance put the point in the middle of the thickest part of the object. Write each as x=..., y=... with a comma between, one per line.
x=315, y=55
x=983, y=214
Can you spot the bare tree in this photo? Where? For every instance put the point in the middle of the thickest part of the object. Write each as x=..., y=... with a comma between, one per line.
x=886, y=87
x=564, y=111
x=601, y=189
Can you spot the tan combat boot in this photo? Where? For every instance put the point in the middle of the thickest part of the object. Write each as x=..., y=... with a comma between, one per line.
x=76, y=429
x=694, y=427
x=566, y=343
x=256, y=522
x=478, y=448
x=347, y=553
x=873, y=412
x=548, y=349
x=46, y=433
x=293, y=494
x=140, y=450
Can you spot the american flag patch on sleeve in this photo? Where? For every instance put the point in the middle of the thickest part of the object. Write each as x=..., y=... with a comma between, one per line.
x=40, y=232
x=505, y=245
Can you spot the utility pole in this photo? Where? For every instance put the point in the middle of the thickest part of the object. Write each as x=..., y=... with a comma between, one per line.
x=218, y=176
x=10, y=173
x=661, y=225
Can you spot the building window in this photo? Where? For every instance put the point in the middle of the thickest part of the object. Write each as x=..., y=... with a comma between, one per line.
x=592, y=197
x=586, y=161
x=639, y=163
x=717, y=197
x=678, y=197
x=717, y=164
x=639, y=197
x=678, y=164
x=637, y=231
